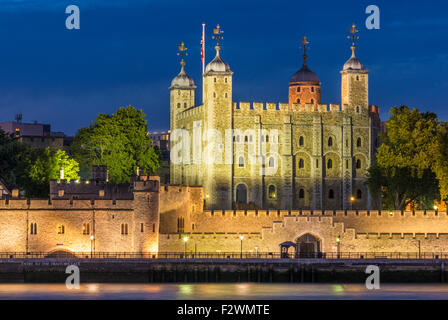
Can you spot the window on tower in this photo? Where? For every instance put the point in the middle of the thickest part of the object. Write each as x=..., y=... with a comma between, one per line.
x=298, y=89
x=312, y=89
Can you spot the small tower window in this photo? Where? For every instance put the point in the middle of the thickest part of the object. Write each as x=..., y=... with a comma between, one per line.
x=358, y=164
x=271, y=162
x=301, y=194
x=86, y=228
x=124, y=228
x=298, y=100
x=329, y=164
x=214, y=79
x=33, y=227
x=185, y=104
x=358, y=194
x=312, y=100
x=330, y=141
x=357, y=78
x=225, y=94
x=301, y=163
x=178, y=105
x=214, y=94
x=358, y=142
x=357, y=109
x=317, y=163
x=272, y=192
x=331, y=194
x=312, y=89
x=180, y=225
x=301, y=141
x=225, y=80
x=61, y=229
x=298, y=89
x=241, y=162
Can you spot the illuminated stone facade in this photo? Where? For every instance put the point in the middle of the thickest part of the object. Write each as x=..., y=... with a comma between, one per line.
x=292, y=155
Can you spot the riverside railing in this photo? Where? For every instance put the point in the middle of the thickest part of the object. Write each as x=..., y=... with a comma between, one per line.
x=224, y=255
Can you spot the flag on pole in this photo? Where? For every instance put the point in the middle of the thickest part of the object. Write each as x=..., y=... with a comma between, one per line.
x=203, y=48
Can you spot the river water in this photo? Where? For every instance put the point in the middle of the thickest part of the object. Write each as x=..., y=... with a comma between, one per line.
x=225, y=291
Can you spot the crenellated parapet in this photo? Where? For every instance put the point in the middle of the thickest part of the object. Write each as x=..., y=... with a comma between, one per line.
x=190, y=113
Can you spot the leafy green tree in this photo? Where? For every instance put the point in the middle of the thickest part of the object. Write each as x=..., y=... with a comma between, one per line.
x=410, y=165
x=45, y=167
x=119, y=141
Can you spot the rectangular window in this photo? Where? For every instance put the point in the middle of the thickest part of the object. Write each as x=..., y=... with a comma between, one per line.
x=141, y=227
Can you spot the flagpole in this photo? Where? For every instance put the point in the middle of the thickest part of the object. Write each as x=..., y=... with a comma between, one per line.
x=203, y=60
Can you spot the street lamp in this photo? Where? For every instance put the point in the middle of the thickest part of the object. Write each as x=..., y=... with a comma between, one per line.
x=436, y=207
x=338, y=241
x=185, y=241
x=92, y=237
x=241, y=238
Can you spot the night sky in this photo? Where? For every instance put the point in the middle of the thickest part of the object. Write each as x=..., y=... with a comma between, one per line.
x=125, y=53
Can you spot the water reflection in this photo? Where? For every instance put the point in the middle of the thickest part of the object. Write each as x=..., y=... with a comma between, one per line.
x=224, y=291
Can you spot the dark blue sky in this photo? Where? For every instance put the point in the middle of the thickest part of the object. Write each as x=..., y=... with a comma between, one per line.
x=125, y=53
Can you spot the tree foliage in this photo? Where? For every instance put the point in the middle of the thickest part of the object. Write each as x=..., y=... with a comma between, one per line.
x=411, y=163
x=119, y=141
x=46, y=166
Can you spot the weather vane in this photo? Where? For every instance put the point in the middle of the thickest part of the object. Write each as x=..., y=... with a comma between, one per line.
x=182, y=51
x=217, y=34
x=353, y=37
x=304, y=47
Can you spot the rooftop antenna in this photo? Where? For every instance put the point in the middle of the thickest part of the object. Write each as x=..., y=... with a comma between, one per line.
x=18, y=117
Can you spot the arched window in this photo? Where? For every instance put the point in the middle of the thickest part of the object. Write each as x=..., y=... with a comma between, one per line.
x=358, y=142
x=178, y=105
x=33, y=228
x=357, y=78
x=298, y=89
x=301, y=163
x=357, y=109
x=180, y=224
x=124, y=228
x=358, y=164
x=61, y=229
x=331, y=194
x=86, y=228
x=241, y=162
x=241, y=193
x=329, y=164
x=272, y=192
x=301, y=194
x=312, y=90
x=358, y=194
x=298, y=100
x=225, y=94
x=301, y=141
x=271, y=162
x=330, y=141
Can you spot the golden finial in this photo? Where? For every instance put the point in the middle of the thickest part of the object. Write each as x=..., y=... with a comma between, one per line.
x=304, y=47
x=353, y=37
x=182, y=51
x=217, y=34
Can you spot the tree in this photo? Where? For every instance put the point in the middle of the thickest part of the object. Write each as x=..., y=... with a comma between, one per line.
x=45, y=167
x=410, y=165
x=119, y=141
x=15, y=158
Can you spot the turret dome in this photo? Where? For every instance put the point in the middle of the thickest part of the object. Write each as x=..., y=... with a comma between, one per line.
x=304, y=75
x=217, y=64
x=353, y=63
x=182, y=79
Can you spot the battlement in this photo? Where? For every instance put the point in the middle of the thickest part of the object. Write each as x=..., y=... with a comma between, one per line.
x=401, y=236
x=178, y=188
x=43, y=204
x=189, y=113
x=284, y=107
x=384, y=214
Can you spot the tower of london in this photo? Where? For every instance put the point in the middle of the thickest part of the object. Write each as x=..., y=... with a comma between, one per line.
x=299, y=154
